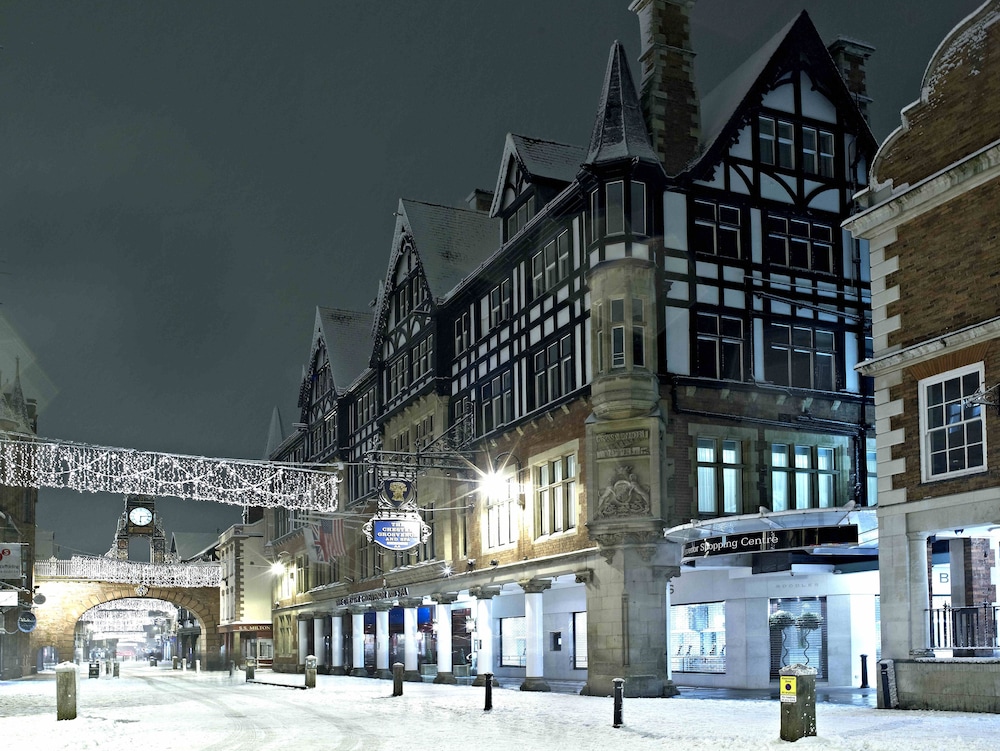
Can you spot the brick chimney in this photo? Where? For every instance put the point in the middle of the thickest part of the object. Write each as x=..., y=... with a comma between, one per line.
x=667, y=93
x=479, y=199
x=851, y=57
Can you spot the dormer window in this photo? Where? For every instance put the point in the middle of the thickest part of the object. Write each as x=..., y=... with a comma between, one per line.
x=520, y=217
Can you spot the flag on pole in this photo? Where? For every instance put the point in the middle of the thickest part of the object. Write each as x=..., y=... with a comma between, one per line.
x=326, y=540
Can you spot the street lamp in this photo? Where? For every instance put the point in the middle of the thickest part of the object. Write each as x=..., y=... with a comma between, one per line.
x=497, y=484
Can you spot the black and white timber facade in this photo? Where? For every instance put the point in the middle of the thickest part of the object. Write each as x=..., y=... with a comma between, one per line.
x=624, y=382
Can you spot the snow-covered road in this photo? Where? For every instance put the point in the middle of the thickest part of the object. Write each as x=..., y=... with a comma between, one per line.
x=167, y=710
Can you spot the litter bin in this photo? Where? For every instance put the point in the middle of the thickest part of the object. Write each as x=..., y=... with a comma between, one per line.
x=94, y=670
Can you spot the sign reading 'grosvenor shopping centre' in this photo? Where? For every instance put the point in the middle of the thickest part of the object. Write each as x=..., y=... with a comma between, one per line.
x=771, y=540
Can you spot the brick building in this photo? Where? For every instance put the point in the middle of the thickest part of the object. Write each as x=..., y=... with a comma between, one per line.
x=930, y=216
x=610, y=376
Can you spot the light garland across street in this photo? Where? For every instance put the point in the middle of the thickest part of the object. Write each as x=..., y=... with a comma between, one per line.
x=43, y=463
x=99, y=568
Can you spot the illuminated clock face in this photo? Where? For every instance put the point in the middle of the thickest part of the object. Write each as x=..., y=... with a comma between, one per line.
x=140, y=516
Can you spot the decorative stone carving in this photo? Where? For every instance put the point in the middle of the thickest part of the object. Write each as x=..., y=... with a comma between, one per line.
x=535, y=586
x=584, y=577
x=624, y=496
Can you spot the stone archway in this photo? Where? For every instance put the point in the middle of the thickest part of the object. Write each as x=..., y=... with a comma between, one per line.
x=66, y=601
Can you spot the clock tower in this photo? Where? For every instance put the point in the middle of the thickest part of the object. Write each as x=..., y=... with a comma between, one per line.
x=139, y=519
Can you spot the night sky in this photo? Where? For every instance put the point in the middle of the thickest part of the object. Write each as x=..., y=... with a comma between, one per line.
x=182, y=183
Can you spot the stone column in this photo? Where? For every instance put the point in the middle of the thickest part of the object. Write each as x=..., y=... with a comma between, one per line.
x=305, y=632
x=484, y=632
x=319, y=648
x=411, y=671
x=358, y=640
x=920, y=598
x=337, y=644
x=627, y=618
x=442, y=618
x=382, y=669
x=534, y=679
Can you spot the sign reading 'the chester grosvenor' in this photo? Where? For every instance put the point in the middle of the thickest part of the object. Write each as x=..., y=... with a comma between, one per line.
x=397, y=524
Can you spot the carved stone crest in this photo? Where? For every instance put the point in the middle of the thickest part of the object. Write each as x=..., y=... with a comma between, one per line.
x=624, y=495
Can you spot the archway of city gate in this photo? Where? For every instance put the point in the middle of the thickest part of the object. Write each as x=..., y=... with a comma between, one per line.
x=67, y=602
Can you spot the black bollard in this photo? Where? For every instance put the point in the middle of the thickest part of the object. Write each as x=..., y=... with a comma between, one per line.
x=397, y=679
x=619, y=693
x=864, y=671
x=489, y=691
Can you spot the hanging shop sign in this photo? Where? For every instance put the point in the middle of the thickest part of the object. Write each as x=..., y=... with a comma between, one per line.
x=10, y=560
x=26, y=622
x=397, y=493
x=771, y=540
x=397, y=524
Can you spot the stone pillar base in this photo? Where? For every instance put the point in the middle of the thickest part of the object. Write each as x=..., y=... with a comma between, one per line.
x=669, y=689
x=359, y=673
x=384, y=674
x=338, y=670
x=481, y=680
x=445, y=678
x=535, y=684
x=413, y=676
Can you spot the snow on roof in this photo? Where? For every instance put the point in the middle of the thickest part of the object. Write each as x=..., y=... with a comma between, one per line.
x=451, y=242
x=347, y=334
x=718, y=106
x=620, y=128
x=548, y=160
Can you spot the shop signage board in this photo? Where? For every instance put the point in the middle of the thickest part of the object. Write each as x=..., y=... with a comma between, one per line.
x=26, y=622
x=397, y=524
x=10, y=560
x=771, y=540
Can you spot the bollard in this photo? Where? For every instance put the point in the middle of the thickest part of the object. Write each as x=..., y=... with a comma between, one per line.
x=798, y=702
x=115, y=669
x=619, y=693
x=310, y=671
x=176, y=662
x=107, y=667
x=489, y=691
x=864, y=671
x=66, y=691
x=184, y=663
x=232, y=668
x=197, y=666
x=250, y=666
x=397, y=679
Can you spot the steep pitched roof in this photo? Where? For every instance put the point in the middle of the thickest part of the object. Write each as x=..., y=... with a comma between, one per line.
x=538, y=159
x=347, y=335
x=275, y=434
x=450, y=242
x=723, y=109
x=620, y=129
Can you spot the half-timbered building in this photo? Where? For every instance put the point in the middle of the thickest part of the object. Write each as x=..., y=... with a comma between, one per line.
x=624, y=384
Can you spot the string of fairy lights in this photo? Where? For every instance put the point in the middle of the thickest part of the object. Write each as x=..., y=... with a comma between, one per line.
x=44, y=463
x=99, y=568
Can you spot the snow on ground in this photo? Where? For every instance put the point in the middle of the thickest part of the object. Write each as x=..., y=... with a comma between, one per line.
x=187, y=711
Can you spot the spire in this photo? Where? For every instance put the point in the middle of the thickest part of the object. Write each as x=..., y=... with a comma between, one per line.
x=275, y=434
x=620, y=131
x=14, y=415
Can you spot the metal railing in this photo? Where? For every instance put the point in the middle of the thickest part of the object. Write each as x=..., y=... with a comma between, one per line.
x=971, y=627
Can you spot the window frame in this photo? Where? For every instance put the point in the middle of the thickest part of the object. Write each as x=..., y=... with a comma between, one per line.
x=725, y=477
x=555, y=494
x=971, y=415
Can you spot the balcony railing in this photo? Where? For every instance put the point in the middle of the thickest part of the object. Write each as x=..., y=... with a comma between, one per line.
x=973, y=627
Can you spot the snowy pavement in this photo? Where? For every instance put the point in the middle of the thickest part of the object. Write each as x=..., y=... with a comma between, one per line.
x=187, y=711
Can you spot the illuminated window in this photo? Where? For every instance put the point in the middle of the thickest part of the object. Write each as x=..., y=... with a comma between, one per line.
x=698, y=638
x=720, y=476
x=513, y=642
